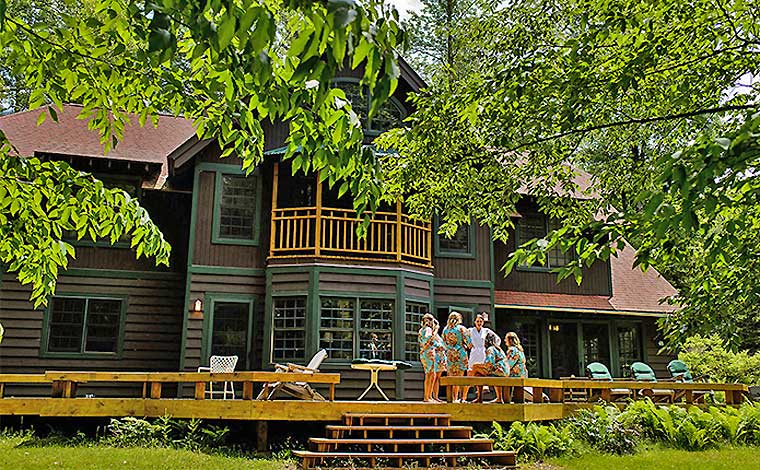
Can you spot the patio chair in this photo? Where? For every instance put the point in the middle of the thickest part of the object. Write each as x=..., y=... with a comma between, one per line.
x=300, y=390
x=220, y=365
x=643, y=373
x=598, y=371
x=680, y=372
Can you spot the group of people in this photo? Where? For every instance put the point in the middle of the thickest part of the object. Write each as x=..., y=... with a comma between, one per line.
x=459, y=350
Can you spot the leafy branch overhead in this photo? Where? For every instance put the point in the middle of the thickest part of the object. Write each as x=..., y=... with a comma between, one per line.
x=227, y=65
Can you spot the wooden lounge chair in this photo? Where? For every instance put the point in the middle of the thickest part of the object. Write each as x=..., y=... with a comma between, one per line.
x=598, y=371
x=680, y=372
x=300, y=390
x=643, y=373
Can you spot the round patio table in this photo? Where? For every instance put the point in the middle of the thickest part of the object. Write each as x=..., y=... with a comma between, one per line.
x=374, y=370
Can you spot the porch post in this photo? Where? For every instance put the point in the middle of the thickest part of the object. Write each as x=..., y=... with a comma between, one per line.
x=398, y=230
x=318, y=222
x=275, y=187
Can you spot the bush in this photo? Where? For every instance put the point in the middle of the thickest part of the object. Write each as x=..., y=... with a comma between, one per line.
x=532, y=441
x=191, y=434
x=603, y=431
x=708, y=358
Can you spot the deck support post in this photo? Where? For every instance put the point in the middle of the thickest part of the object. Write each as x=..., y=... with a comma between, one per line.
x=262, y=436
x=155, y=390
x=318, y=221
x=200, y=390
x=247, y=390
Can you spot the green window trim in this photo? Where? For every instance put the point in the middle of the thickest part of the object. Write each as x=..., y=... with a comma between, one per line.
x=356, y=320
x=216, y=238
x=471, y=253
x=273, y=340
x=82, y=354
x=537, y=268
x=208, y=324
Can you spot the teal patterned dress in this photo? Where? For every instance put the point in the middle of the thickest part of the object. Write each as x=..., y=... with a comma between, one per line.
x=426, y=340
x=457, y=341
x=496, y=362
x=516, y=362
x=441, y=364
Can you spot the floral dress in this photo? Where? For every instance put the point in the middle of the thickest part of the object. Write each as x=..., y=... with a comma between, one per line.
x=495, y=362
x=516, y=362
x=426, y=340
x=440, y=355
x=457, y=342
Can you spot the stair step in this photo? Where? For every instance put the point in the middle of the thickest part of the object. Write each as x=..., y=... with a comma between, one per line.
x=393, y=427
x=322, y=444
x=397, y=415
x=497, y=457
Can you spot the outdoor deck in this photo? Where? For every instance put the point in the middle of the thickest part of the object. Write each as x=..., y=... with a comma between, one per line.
x=552, y=399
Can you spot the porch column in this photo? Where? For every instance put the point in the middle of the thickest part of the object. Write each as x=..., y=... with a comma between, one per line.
x=318, y=227
x=275, y=187
x=398, y=230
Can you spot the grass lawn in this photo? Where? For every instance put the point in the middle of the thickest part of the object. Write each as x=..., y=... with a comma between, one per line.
x=661, y=459
x=99, y=457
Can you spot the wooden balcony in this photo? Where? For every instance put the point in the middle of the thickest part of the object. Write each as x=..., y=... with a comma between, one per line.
x=329, y=232
x=324, y=232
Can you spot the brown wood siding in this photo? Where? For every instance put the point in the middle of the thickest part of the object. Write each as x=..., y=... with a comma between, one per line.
x=356, y=283
x=152, y=333
x=596, y=279
x=478, y=268
x=463, y=296
x=658, y=362
x=290, y=282
x=206, y=253
x=202, y=284
x=417, y=288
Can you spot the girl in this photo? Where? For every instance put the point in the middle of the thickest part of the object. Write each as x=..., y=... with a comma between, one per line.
x=478, y=335
x=515, y=356
x=426, y=339
x=457, y=341
x=440, y=361
x=496, y=363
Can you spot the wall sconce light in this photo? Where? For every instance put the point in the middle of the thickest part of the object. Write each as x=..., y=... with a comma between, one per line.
x=553, y=327
x=198, y=306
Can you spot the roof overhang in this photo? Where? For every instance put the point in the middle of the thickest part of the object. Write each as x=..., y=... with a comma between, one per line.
x=628, y=313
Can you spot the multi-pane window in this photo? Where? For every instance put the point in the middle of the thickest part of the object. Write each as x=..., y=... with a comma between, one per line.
x=535, y=225
x=460, y=243
x=376, y=329
x=336, y=332
x=229, y=333
x=84, y=325
x=289, y=328
x=596, y=343
x=237, y=207
x=389, y=115
x=629, y=346
x=412, y=324
x=351, y=328
x=528, y=332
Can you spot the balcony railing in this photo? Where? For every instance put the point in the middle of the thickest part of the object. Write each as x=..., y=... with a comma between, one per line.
x=332, y=233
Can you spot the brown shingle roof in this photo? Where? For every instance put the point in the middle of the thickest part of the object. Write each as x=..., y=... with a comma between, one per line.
x=633, y=291
x=70, y=136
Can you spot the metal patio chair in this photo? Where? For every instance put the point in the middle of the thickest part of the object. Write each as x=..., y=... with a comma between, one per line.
x=221, y=365
x=301, y=390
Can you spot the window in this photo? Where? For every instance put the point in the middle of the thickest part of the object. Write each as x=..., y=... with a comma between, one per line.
x=83, y=325
x=352, y=328
x=535, y=225
x=596, y=343
x=236, y=209
x=460, y=245
x=412, y=324
x=388, y=116
x=528, y=330
x=230, y=330
x=629, y=346
x=289, y=329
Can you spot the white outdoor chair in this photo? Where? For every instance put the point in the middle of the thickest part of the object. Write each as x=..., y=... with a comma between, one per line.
x=221, y=365
x=300, y=390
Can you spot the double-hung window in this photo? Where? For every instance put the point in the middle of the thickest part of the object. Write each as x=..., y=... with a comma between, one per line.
x=351, y=327
x=236, y=209
x=84, y=325
x=412, y=324
x=536, y=225
x=289, y=328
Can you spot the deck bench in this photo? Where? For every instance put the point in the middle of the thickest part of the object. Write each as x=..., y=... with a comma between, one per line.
x=552, y=388
x=65, y=383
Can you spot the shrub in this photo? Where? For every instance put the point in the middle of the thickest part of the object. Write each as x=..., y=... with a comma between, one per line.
x=191, y=434
x=603, y=431
x=708, y=358
x=532, y=441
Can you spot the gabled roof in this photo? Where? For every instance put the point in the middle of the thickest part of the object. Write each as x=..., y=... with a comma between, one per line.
x=634, y=292
x=71, y=136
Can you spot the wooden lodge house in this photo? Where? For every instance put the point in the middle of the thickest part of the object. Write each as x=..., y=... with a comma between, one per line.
x=268, y=268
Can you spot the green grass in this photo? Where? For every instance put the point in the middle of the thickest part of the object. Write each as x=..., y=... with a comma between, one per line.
x=101, y=457
x=733, y=458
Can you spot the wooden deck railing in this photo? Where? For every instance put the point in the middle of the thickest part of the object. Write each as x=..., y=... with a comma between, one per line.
x=332, y=233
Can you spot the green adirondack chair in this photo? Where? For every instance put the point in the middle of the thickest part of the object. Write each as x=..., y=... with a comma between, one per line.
x=598, y=371
x=681, y=373
x=641, y=372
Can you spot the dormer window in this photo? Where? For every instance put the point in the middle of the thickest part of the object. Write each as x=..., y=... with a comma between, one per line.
x=390, y=114
x=537, y=225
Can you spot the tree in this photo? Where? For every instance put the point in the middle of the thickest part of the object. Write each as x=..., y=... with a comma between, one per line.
x=227, y=65
x=576, y=82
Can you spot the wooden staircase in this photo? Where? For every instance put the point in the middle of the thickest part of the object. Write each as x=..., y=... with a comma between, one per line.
x=398, y=441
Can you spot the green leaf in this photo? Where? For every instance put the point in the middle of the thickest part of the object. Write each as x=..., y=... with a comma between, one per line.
x=226, y=31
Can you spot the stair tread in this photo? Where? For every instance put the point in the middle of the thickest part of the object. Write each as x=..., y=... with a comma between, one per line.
x=445, y=440
x=467, y=453
x=397, y=415
x=343, y=427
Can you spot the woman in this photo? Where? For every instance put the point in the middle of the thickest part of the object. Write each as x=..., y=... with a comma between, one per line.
x=515, y=356
x=478, y=335
x=440, y=361
x=426, y=339
x=457, y=340
x=494, y=365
